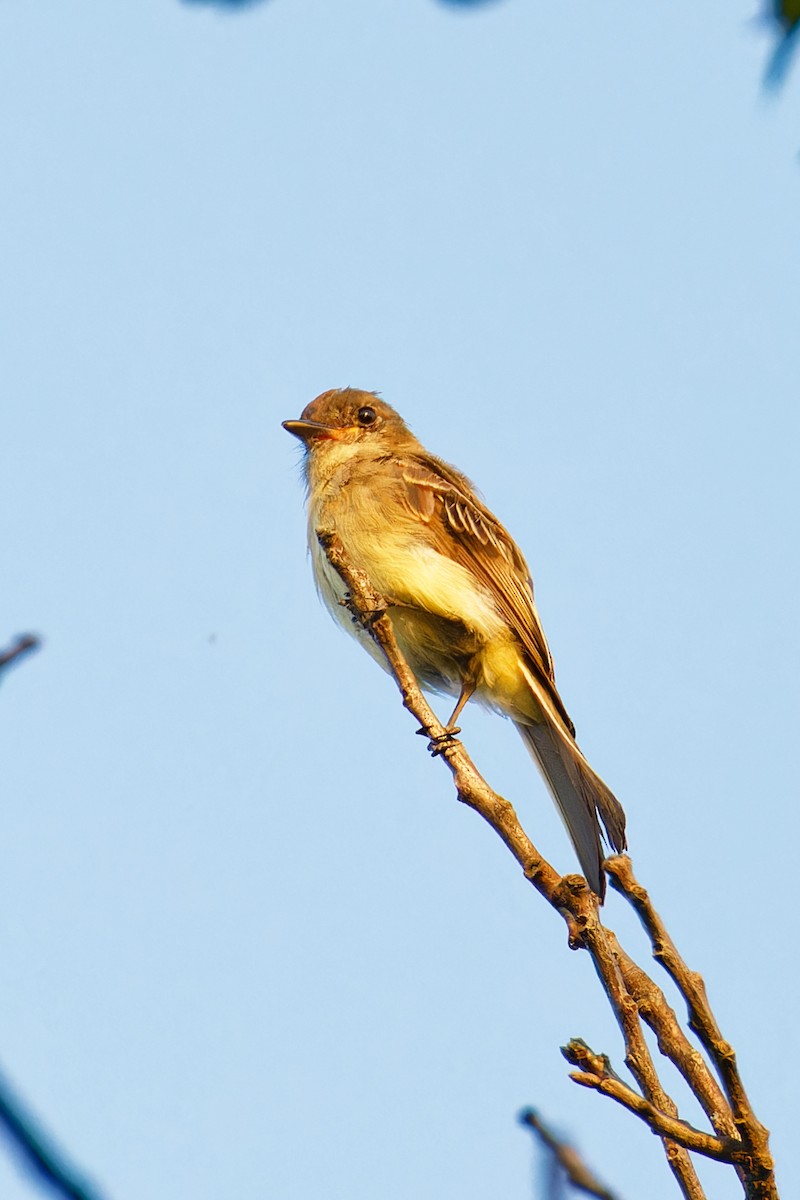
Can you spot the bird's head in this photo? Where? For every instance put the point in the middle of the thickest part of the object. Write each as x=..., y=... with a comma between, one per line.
x=346, y=422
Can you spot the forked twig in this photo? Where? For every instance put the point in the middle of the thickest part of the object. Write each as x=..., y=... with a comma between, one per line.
x=738, y=1138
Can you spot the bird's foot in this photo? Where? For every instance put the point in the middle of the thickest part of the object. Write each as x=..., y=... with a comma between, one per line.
x=358, y=616
x=443, y=741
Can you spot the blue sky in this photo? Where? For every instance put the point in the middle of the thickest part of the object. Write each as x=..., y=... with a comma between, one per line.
x=240, y=955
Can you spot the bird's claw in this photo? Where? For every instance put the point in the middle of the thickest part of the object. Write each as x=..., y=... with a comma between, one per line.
x=443, y=741
x=358, y=616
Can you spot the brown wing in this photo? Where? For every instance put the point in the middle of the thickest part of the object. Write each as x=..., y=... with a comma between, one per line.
x=433, y=489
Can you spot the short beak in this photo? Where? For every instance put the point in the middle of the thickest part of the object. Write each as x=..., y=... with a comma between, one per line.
x=308, y=430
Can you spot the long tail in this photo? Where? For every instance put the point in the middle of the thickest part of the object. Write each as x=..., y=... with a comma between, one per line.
x=580, y=796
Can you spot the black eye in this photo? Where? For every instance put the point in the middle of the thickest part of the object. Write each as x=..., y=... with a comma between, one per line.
x=366, y=415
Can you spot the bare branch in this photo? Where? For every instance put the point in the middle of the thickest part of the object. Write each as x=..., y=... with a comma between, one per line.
x=595, y=1072
x=568, y=894
x=672, y=1041
x=738, y=1137
x=575, y=1169
x=756, y=1158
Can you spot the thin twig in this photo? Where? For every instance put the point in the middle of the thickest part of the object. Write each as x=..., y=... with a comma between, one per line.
x=673, y=1042
x=638, y=1058
x=756, y=1159
x=594, y=1072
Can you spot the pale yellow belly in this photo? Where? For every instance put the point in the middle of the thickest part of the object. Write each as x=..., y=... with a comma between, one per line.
x=446, y=623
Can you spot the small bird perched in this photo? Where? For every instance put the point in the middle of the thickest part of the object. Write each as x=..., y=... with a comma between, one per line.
x=460, y=593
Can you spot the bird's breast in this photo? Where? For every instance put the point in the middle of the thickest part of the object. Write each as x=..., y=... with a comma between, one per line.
x=441, y=614
x=403, y=562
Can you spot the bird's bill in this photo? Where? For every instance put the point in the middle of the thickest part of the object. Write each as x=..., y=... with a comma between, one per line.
x=308, y=430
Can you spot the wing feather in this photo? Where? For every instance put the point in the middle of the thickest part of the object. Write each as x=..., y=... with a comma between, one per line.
x=444, y=499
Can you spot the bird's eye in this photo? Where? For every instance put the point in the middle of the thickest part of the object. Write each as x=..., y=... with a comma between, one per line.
x=366, y=415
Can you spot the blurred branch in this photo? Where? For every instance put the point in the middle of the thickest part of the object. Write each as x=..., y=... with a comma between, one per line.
x=26, y=1138
x=235, y=5
x=738, y=1138
x=38, y=1153
x=30, y=1142
x=784, y=16
x=574, y=1169
x=232, y=4
x=25, y=644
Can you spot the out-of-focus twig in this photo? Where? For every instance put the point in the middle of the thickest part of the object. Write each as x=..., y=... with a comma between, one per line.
x=37, y=1151
x=33, y=1146
x=26, y=643
x=784, y=17
x=575, y=1170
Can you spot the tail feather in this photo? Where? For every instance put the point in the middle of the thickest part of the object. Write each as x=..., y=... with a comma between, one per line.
x=580, y=795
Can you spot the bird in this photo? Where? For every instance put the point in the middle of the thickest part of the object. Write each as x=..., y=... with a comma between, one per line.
x=458, y=589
